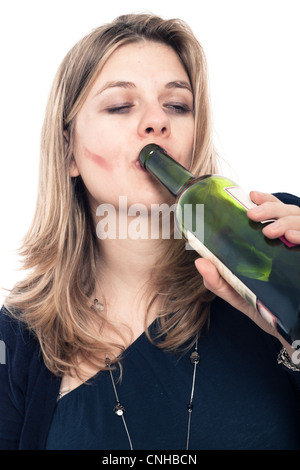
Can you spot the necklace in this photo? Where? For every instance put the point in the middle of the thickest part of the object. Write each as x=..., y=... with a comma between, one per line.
x=119, y=409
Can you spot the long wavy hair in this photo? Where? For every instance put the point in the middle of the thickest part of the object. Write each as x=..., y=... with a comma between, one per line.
x=59, y=251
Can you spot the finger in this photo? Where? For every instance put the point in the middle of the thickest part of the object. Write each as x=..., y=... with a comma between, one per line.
x=293, y=236
x=259, y=198
x=261, y=211
x=273, y=210
x=286, y=226
x=211, y=277
x=216, y=284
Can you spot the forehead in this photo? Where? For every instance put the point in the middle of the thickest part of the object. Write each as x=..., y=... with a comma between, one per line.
x=145, y=60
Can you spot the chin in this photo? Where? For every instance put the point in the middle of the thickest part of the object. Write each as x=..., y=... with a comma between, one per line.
x=156, y=195
x=156, y=199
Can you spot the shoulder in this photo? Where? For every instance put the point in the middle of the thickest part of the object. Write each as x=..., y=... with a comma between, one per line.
x=15, y=334
x=22, y=355
x=20, y=347
x=28, y=388
x=288, y=198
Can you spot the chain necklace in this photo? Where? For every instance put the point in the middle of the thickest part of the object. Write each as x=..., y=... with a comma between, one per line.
x=119, y=409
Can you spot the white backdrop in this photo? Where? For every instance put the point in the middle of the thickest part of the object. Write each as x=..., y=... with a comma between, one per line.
x=252, y=48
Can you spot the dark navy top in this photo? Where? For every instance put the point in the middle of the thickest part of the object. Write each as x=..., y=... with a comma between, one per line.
x=243, y=399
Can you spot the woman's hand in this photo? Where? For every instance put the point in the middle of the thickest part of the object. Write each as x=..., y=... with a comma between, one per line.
x=287, y=224
x=214, y=282
x=287, y=216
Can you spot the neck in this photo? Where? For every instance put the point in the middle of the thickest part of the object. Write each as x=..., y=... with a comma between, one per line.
x=131, y=246
x=127, y=264
x=125, y=268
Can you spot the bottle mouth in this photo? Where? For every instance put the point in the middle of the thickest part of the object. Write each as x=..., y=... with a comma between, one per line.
x=146, y=152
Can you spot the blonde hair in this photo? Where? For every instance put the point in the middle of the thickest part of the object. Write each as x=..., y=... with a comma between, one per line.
x=59, y=250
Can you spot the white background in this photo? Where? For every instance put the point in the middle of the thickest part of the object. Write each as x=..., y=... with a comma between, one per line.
x=252, y=48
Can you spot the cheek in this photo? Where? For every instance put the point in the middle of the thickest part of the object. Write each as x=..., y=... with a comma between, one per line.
x=100, y=161
x=185, y=154
x=185, y=135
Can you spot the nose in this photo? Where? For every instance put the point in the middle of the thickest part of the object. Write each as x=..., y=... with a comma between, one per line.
x=154, y=121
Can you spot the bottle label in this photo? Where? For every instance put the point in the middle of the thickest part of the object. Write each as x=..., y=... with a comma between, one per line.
x=240, y=196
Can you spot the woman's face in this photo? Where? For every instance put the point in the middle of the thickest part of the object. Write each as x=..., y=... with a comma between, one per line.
x=142, y=95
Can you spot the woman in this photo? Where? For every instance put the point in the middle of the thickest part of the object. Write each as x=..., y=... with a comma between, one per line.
x=99, y=334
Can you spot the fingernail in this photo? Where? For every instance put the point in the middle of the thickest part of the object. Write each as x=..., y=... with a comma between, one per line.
x=274, y=225
x=256, y=209
x=257, y=193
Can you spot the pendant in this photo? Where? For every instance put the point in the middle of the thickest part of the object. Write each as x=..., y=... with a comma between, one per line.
x=119, y=409
x=195, y=357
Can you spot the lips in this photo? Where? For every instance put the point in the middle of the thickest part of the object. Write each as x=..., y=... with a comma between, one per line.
x=139, y=166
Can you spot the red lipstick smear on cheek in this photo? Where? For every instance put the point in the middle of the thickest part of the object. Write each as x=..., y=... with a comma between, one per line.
x=100, y=161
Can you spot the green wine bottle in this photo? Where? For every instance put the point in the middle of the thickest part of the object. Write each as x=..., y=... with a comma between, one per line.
x=264, y=272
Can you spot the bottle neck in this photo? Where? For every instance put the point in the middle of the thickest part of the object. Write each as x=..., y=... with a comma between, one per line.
x=164, y=168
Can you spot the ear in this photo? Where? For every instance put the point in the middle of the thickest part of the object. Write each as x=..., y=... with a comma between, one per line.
x=74, y=171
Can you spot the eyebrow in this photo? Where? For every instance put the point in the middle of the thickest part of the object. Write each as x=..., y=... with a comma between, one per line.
x=179, y=84
x=123, y=84
x=115, y=84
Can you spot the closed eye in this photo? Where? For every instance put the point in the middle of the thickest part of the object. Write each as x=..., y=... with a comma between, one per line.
x=178, y=108
x=120, y=109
